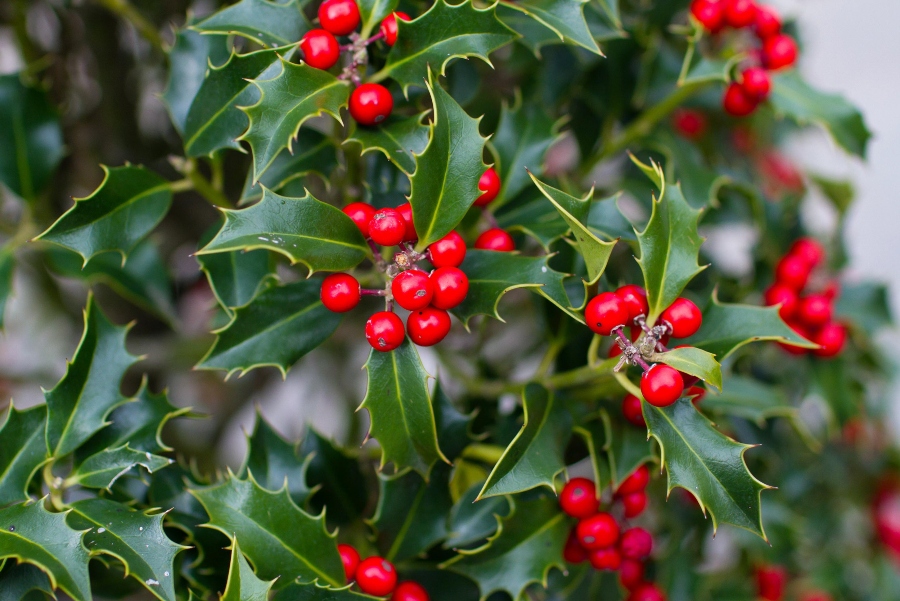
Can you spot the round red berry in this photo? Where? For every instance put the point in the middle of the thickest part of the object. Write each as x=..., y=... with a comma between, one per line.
x=635, y=482
x=779, y=294
x=661, y=385
x=636, y=543
x=635, y=299
x=412, y=289
x=428, y=326
x=410, y=591
x=831, y=340
x=832, y=290
x=449, y=251
x=614, y=351
x=361, y=213
x=340, y=292
x=768, y=23
x=340, y=17
x=604, y=312
x=320, y=49
x=388, y=26
x=740, y=13
x=632, y=410
x=405, y=211
x=792, y=271
x=573, y=552
x=779, y=51
x=598, y=531
x=809, y=250
x=709, y=14
x=371, y=103
x=489, y=184
x=350, y=559
x=646, y=592
x=376, y=576
x=689, y=123
x=387, y=227
x=684, y=317
x=579, y=498
x=631, y=573
x=814, y=310
x=771, y=582
x=450, y=287
x=384, y=331
x=756, y=83
x=495, y=239
x=696, y=393
x=634, y=504
x=736, y=102
x=608, y=559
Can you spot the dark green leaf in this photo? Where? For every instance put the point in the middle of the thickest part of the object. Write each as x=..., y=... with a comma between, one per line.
x=840, y=192
x=23, y=449
x=710, y=70
x=522, y=138
x=398, y=138
x=312, y=591
x=748, y=399
x=17, y=581
x=452, y=425
x=597, y=434
x=237, y=276
x=536, y=218
x=243, y=585
x=7, y=266
x=565, y=18
x=274, y=463
x=269, y=23
x=610, y=8
x=472, y=522
x=694, y=362
x=314, y=152
x=628, y=450
x=606, y=221
x=867, y=304
x=103, y=469
x=340, y=482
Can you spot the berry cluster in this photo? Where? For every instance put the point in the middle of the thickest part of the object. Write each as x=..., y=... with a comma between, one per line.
x=778, y=50
x=810, y=315
x=599, y=538
x=771, y=581
x=377, y=576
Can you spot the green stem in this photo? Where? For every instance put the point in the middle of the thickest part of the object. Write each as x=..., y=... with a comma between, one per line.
x=203, y=187
x=56, y=486
x=484, y=453
x=182, y=185
x=123, y=9
x=599, y=376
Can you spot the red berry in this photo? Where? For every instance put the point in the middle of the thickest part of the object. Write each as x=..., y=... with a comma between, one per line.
x=779, y=51
x=412, y=289
x=832, y=290
x=371, y=103
x=405, y=211
x=770, y=582
x=684, y=317
x=689, y=123
x=608, y=559
x=661, y=385
x=768, y=23
x=384, y=331
x=634, y=504
x=635, y=299
x=736, y=102
x=740, y=13
x=573, y=552
x=814, y=310
x=632, y=410
x=800, y=330
x=709, y=14
x=410, y=591
x=816, y=596
x=579, y=498
x=361, y=213
x=635, y=482
x=696, y=393
x=779, y=294
x=809, y=250
x=449, y=251
x=756, y=83
x=450, y=287
x=647, y=592
x=428, y=326
x=376, y=576
x=340, y=292
x=636, y=543
x=792, y=271
x=495, y=239
x=340, y=17
x=389, y=26
x=631, y=574
x=604, y=312
x=320, y=49
x=490, y=185
x=387, y=227
x=350, y=559
x=831, y=338
x=598, y=531
x=614, y=351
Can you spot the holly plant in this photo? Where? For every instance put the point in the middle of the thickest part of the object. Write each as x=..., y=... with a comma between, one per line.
x=609, y=356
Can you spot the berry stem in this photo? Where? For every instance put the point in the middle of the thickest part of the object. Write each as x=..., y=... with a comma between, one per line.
x=489, y=217
x=630, y=352
x=379, y=260
x=371, y=292
x=375, y=38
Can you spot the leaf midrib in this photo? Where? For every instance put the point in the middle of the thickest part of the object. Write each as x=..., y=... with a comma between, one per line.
x=127, y=203
x=267, y=330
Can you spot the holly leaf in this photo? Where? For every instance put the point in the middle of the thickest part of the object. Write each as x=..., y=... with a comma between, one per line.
x=565, y=18
x=866, y=304
x=313, y=591
x=694, y=362
x=596, y=431
x=749, y=399
x=727, y=327
x=128, y=205
x=452, y=426
x=398, y=138
x=17, y=581
x=606, y=221
x=103, y=469
x=30, y=135
x=445, y=184
x=278, y=327
x=31, y=534
x=534, y=218
x=435, y=38
x=80, y=402
x=574, y=212
x=535, y=456
x=629, y=449
x=7, y=266
x=793, y=97
x=528, y=544
x=610, y=9
x=471, y=522
x=337, y=481
x=299, y=92
x=274, y=463
x=237, y=276
x=523, y=136
x=400, y=411
x=281, y=540
x=305, y=230
x=372, y=13
x=243, y=585
x=268, y=23
x=23, y=449
x=133, y=537
x=315, y=153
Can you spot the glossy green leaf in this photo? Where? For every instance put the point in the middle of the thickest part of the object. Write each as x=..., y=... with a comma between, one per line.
x=606, y=221
x=83, y=398
x=610, y=9
x=243, y=585
x=470, y=522
x=628, y=450
x=30, y=135
x=400, y=411
x=103, y=469
x=17, y=581
x=707, y=70
x=274, y=463
x=135, y=538
x=535, y=456
x=596, y=431
x=279, y=538
x=453, y=427
x=127, y=206
x=536, y=218
x=398, y=138
x=445, y=184
x=237, y=276
x=313, y=591
x=268, y=23
x=372, y=13
x=523, y=136
x=435, y=38
x=565, y=18
x=336, y=476
x=528, y=544
x=23, y=449
x=693, y=361
x=305, y=230
x=31, y=534
x=314, y=152
x=287, y=100
x=749, y=399
x=793, y=97
x=278, y=327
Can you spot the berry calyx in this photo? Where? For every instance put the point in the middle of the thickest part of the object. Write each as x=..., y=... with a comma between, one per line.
x=573, y=552
x=768, y=22
x=779, y=52
x=388, y=26
x=340, y=292
x=635, y=299
x=450, y=287
x=412, y=289
x=387, y=227
x=320, y=49
x=350, y=559
x=684, y=317
x=756, y=83
x=631, y=573
x=779, y=294
x=636, y=543
x=709, y=14
x=809, y=250
x=740, y=13
x=737, y=102
x=607, y=559
x=647, y=592
x=410, y=591
x=604, y=312
x=792, y=271
x=376, y=576
x=814, y=310
x=635, y=482
x=405, y=211
x=340, y=17
x=661, y=385
x=361, y=213
x=632, y=410
x=370, y=104
x=689, y=123
x=384, y=331
x=771, y=582
x=634, y=504
x=495, y=239
x=579, y=498
x=428, y=326
x=489, y=184
x=598, y=531
x=449, y=251
x=831, y=340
